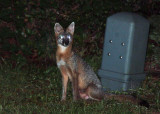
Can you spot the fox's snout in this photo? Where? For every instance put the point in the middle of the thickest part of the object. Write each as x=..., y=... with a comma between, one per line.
x=65, y=42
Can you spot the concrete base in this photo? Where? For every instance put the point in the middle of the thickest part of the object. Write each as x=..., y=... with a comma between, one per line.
x=113, y=81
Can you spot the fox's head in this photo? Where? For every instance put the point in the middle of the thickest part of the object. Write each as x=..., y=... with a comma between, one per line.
x=64, y=38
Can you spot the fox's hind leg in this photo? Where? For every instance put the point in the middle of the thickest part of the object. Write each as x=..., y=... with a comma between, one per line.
x=94, y=92
x=83, y=94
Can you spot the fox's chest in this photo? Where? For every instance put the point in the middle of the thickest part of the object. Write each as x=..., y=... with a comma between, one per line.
x=61, y=63
x=66, y=68
x=67, y=63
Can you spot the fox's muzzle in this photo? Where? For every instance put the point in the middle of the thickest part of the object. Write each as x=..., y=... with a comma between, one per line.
x=64, y=39
x=65, y=42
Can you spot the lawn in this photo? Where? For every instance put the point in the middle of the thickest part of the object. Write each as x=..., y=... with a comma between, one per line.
x=38, y=90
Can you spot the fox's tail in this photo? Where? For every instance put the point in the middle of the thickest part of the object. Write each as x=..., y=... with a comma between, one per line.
x=127, y=98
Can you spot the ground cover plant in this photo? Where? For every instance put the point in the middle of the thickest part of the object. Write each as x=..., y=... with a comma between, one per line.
x=30, y=81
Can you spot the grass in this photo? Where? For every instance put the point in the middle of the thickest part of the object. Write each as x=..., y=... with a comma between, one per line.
x=32, y=89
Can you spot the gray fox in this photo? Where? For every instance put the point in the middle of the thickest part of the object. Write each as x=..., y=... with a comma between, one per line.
x=85, y=83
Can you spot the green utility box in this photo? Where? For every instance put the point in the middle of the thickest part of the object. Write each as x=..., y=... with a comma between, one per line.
x=124, y=51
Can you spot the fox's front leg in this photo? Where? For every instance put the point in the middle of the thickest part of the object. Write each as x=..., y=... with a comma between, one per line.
x=75, y=87
x=64, y=83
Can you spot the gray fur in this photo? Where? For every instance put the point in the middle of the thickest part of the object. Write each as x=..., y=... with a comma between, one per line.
x=88, y=76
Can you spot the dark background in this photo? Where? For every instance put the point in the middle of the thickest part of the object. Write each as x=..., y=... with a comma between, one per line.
x=27, y=34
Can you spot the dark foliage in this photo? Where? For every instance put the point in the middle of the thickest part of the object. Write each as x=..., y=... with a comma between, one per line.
x=26, y=27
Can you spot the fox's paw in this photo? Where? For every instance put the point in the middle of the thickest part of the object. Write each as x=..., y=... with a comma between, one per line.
x=63, y=99
x=84, y=96
x=76, y=98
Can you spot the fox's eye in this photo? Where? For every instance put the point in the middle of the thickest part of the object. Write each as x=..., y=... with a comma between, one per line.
x=61, y=36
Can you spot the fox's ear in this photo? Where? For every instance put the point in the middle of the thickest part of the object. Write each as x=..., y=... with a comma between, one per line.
x=58, y=29
x=70, y=28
